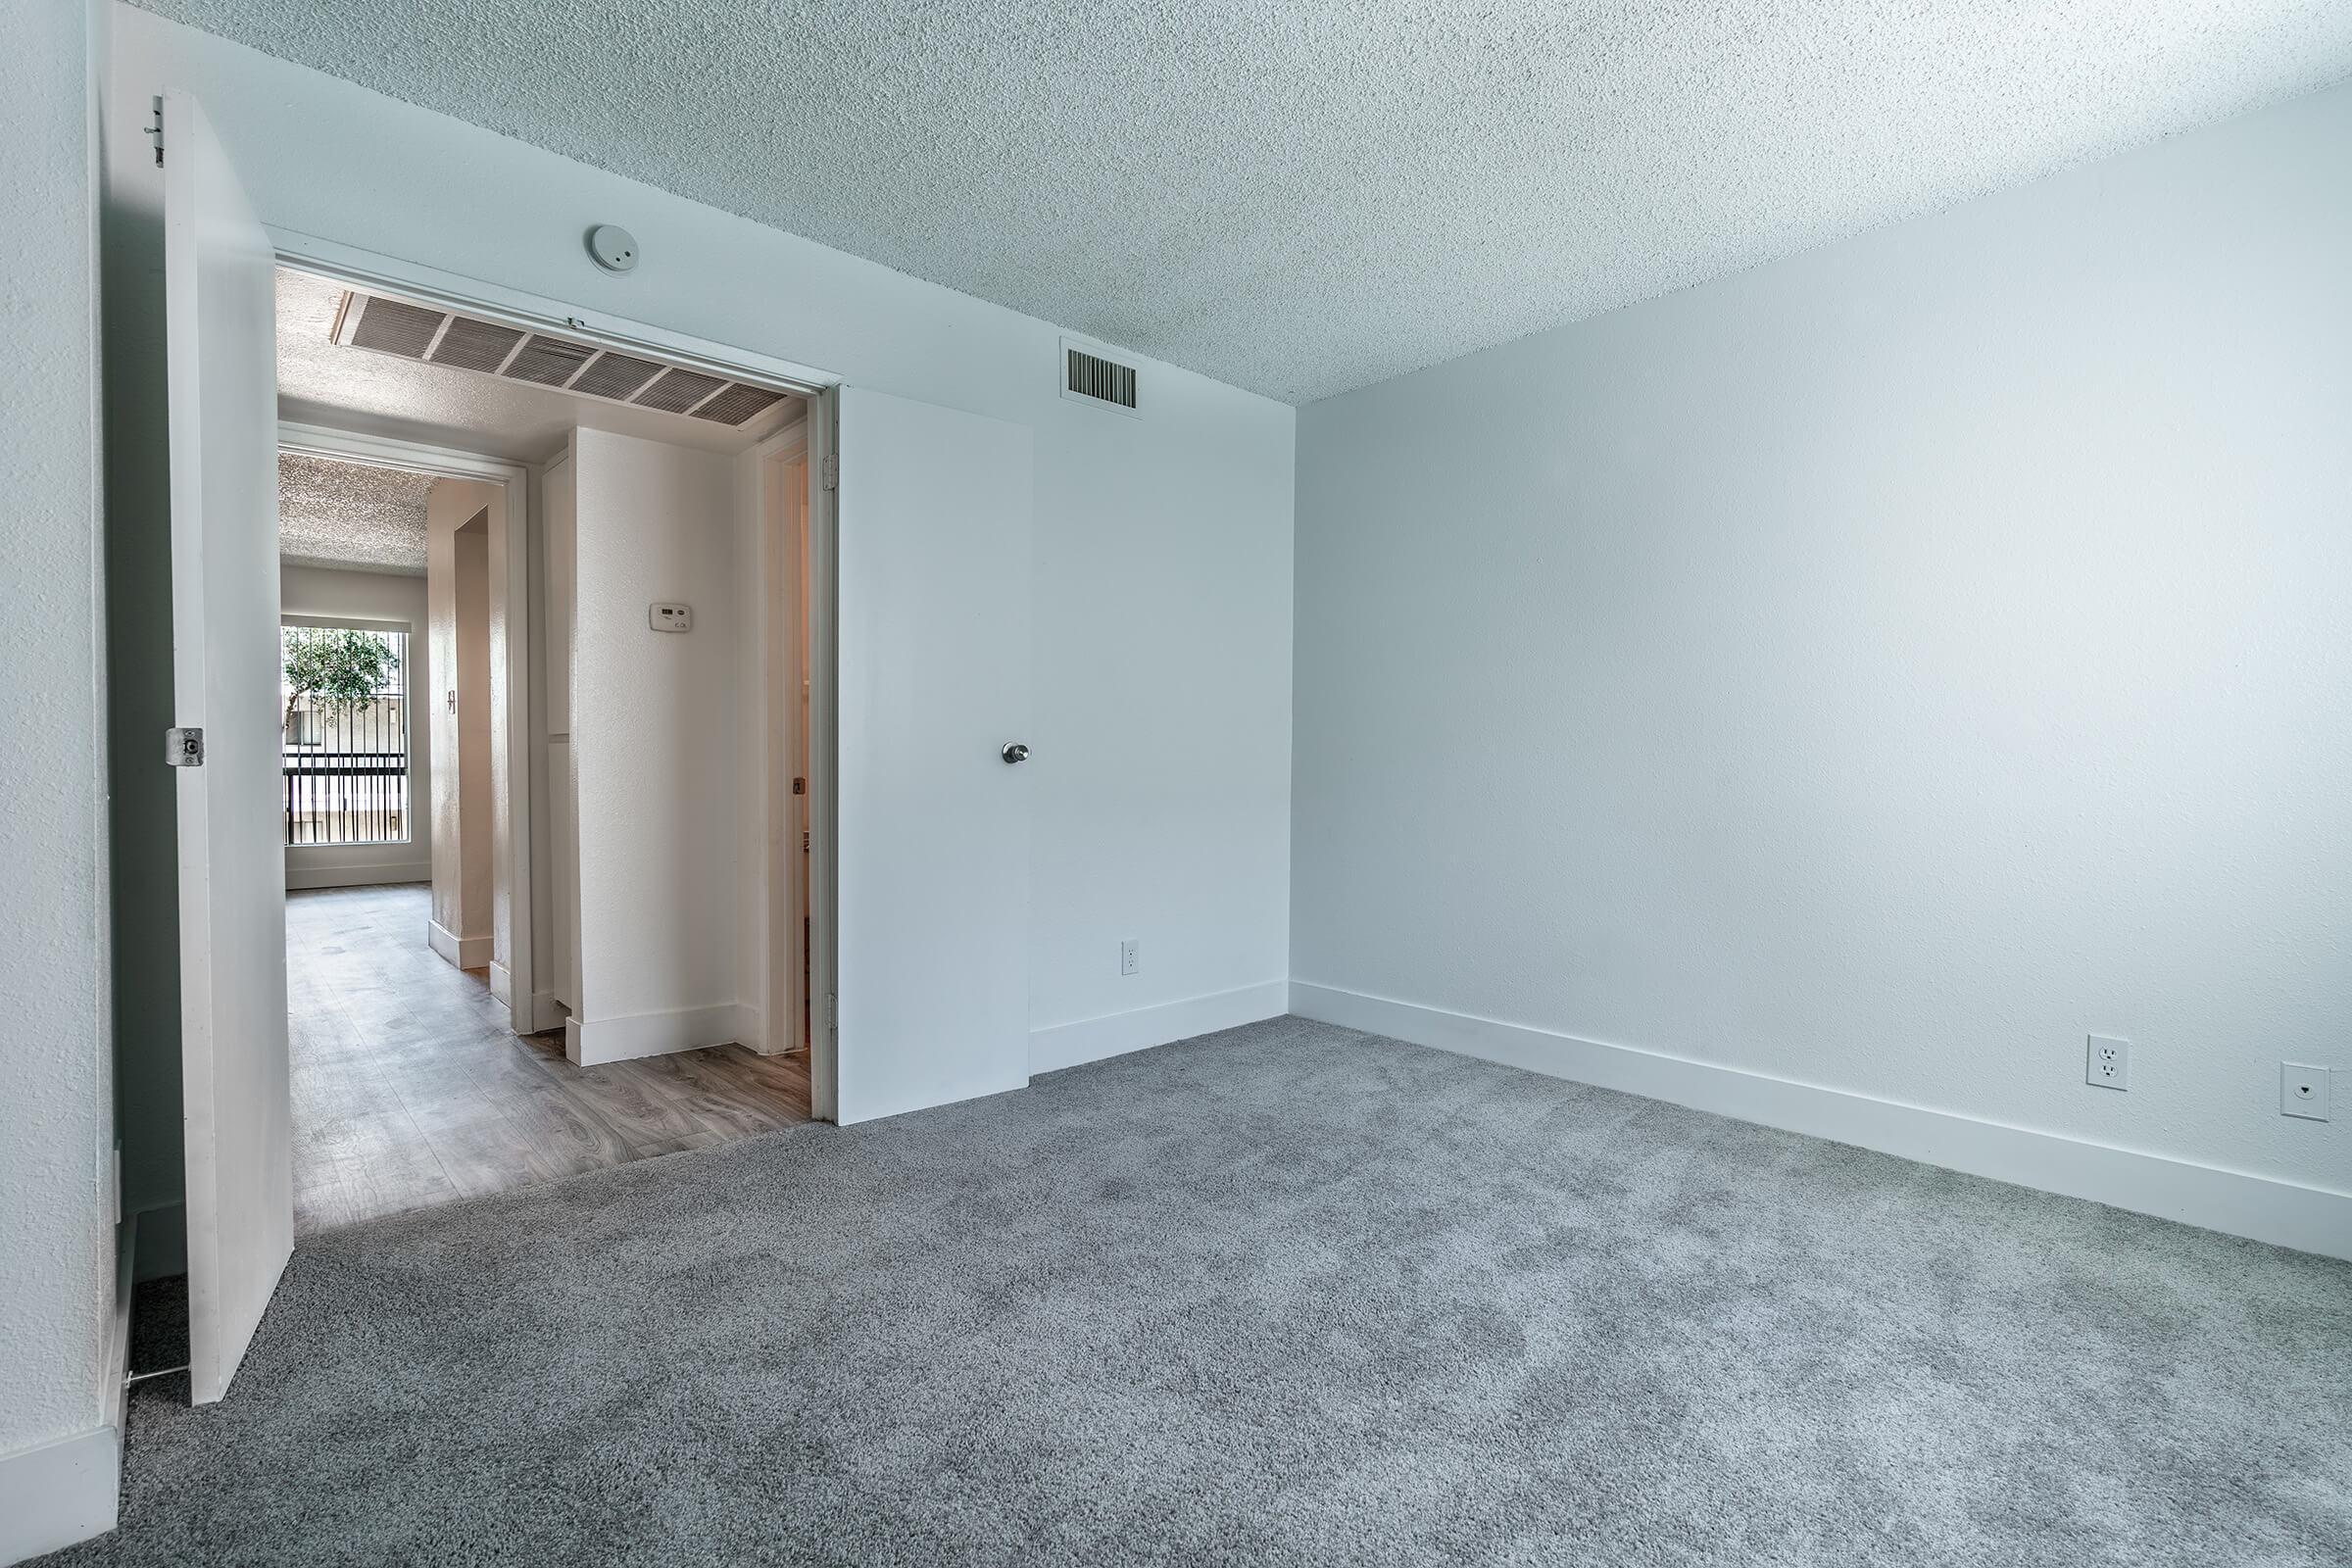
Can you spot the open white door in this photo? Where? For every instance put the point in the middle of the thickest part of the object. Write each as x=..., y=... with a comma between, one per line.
x=221, y=339
x=932, y=958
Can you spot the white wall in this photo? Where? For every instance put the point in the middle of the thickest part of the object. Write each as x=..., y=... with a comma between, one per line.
x=327, y=592
x=1879, y=669
x=1162, y=546
x=56, y=1214
x=654, y=744
x=457, y=577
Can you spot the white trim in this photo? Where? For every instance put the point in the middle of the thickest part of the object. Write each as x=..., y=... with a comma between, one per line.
x=467, y=953
x=2266, y=1209
x=750, y=1029
x=352, y=623
x=546, y=1013
x=59, y=1493
x=824, y=434
x=383, y=873
x=473, y=296
x=118, y=1342
x=1114, y=1034
x=332, y=445
x=592, y=1042
x=501, y=985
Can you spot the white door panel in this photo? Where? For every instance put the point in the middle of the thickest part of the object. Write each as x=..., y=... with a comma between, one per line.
x=220, y=336
x=932, y=962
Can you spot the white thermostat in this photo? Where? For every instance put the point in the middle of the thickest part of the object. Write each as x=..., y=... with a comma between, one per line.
x=671, y=617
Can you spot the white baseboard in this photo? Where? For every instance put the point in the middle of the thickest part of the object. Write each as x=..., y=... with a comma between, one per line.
x=354, y=876
x=2284, y=1213
x=467, y=953
x=59, y=1493
x=1114, y=1034
x=501, y=985
x=750, y=1028
x=593, y=1041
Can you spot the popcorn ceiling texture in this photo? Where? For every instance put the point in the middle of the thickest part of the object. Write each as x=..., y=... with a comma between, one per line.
x=1303, y=200
x=348, y=514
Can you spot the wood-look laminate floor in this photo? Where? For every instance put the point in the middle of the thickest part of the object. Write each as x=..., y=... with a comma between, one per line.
x=410, y=1091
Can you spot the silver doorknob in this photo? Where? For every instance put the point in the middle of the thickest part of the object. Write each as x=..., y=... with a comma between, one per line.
x=1015, y=751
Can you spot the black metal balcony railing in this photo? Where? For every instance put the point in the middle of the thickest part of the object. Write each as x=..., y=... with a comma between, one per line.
x=351, y=787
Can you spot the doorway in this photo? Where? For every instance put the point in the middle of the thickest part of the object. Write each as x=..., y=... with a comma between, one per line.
x=917, y=985
x=445, y=1039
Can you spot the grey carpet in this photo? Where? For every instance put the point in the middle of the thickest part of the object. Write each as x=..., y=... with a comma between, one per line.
x=1283, y=1295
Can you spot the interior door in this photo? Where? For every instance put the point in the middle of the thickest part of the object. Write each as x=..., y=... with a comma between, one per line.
x=932, y=960
x=221, y=385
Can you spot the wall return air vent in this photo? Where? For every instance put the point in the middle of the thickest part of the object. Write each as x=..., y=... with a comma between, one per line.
x=1088, y=377
x=512, y=354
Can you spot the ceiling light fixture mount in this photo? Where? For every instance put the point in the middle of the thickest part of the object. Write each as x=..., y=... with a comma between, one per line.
x=613, y=247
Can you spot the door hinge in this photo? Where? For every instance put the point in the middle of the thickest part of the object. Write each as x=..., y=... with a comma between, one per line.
x=832, y=470
x=184, y=748
x=157, y=131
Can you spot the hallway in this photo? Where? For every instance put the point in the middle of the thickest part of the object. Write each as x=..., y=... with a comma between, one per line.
x=410, y=1092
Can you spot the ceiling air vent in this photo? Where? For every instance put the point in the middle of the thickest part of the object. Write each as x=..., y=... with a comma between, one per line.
x=473, y=345
x=464, y=343
x=390, y=328
x=678, y=390
x=1088, y=377
x=737, y=404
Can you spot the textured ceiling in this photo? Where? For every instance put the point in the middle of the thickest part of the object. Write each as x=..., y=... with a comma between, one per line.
x=1302, y=199
x=321, y=382
x=347, y=514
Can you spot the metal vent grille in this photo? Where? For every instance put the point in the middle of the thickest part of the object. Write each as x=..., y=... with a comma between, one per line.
x=514, y=354
x=737, y=404
x=678, y=391
x=616, y=375
x=548, y=362
x=390, y=328
x=471, y=345
x=1090, y=376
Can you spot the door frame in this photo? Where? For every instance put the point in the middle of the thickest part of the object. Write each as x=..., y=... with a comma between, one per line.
x=476, y=297
x=509, y=580
x=782, y=591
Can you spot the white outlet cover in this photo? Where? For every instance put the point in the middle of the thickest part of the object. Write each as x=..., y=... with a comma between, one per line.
x=2107, y=1062
x=2302, y=1091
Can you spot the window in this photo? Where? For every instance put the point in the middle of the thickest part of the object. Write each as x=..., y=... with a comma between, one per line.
x=344, y=693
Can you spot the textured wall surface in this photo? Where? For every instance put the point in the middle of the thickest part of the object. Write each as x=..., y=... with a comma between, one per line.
x=1304, y=199
x=56, y=1237
x=1882, y=669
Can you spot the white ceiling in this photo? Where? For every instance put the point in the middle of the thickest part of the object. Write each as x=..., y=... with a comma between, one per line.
x=321, y=382
x=351, y=515
x=1302, y=199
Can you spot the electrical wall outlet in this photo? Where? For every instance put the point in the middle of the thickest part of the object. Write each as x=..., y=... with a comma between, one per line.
x=2302, y=1091
x=1130, y=958
x=2107, y=1062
